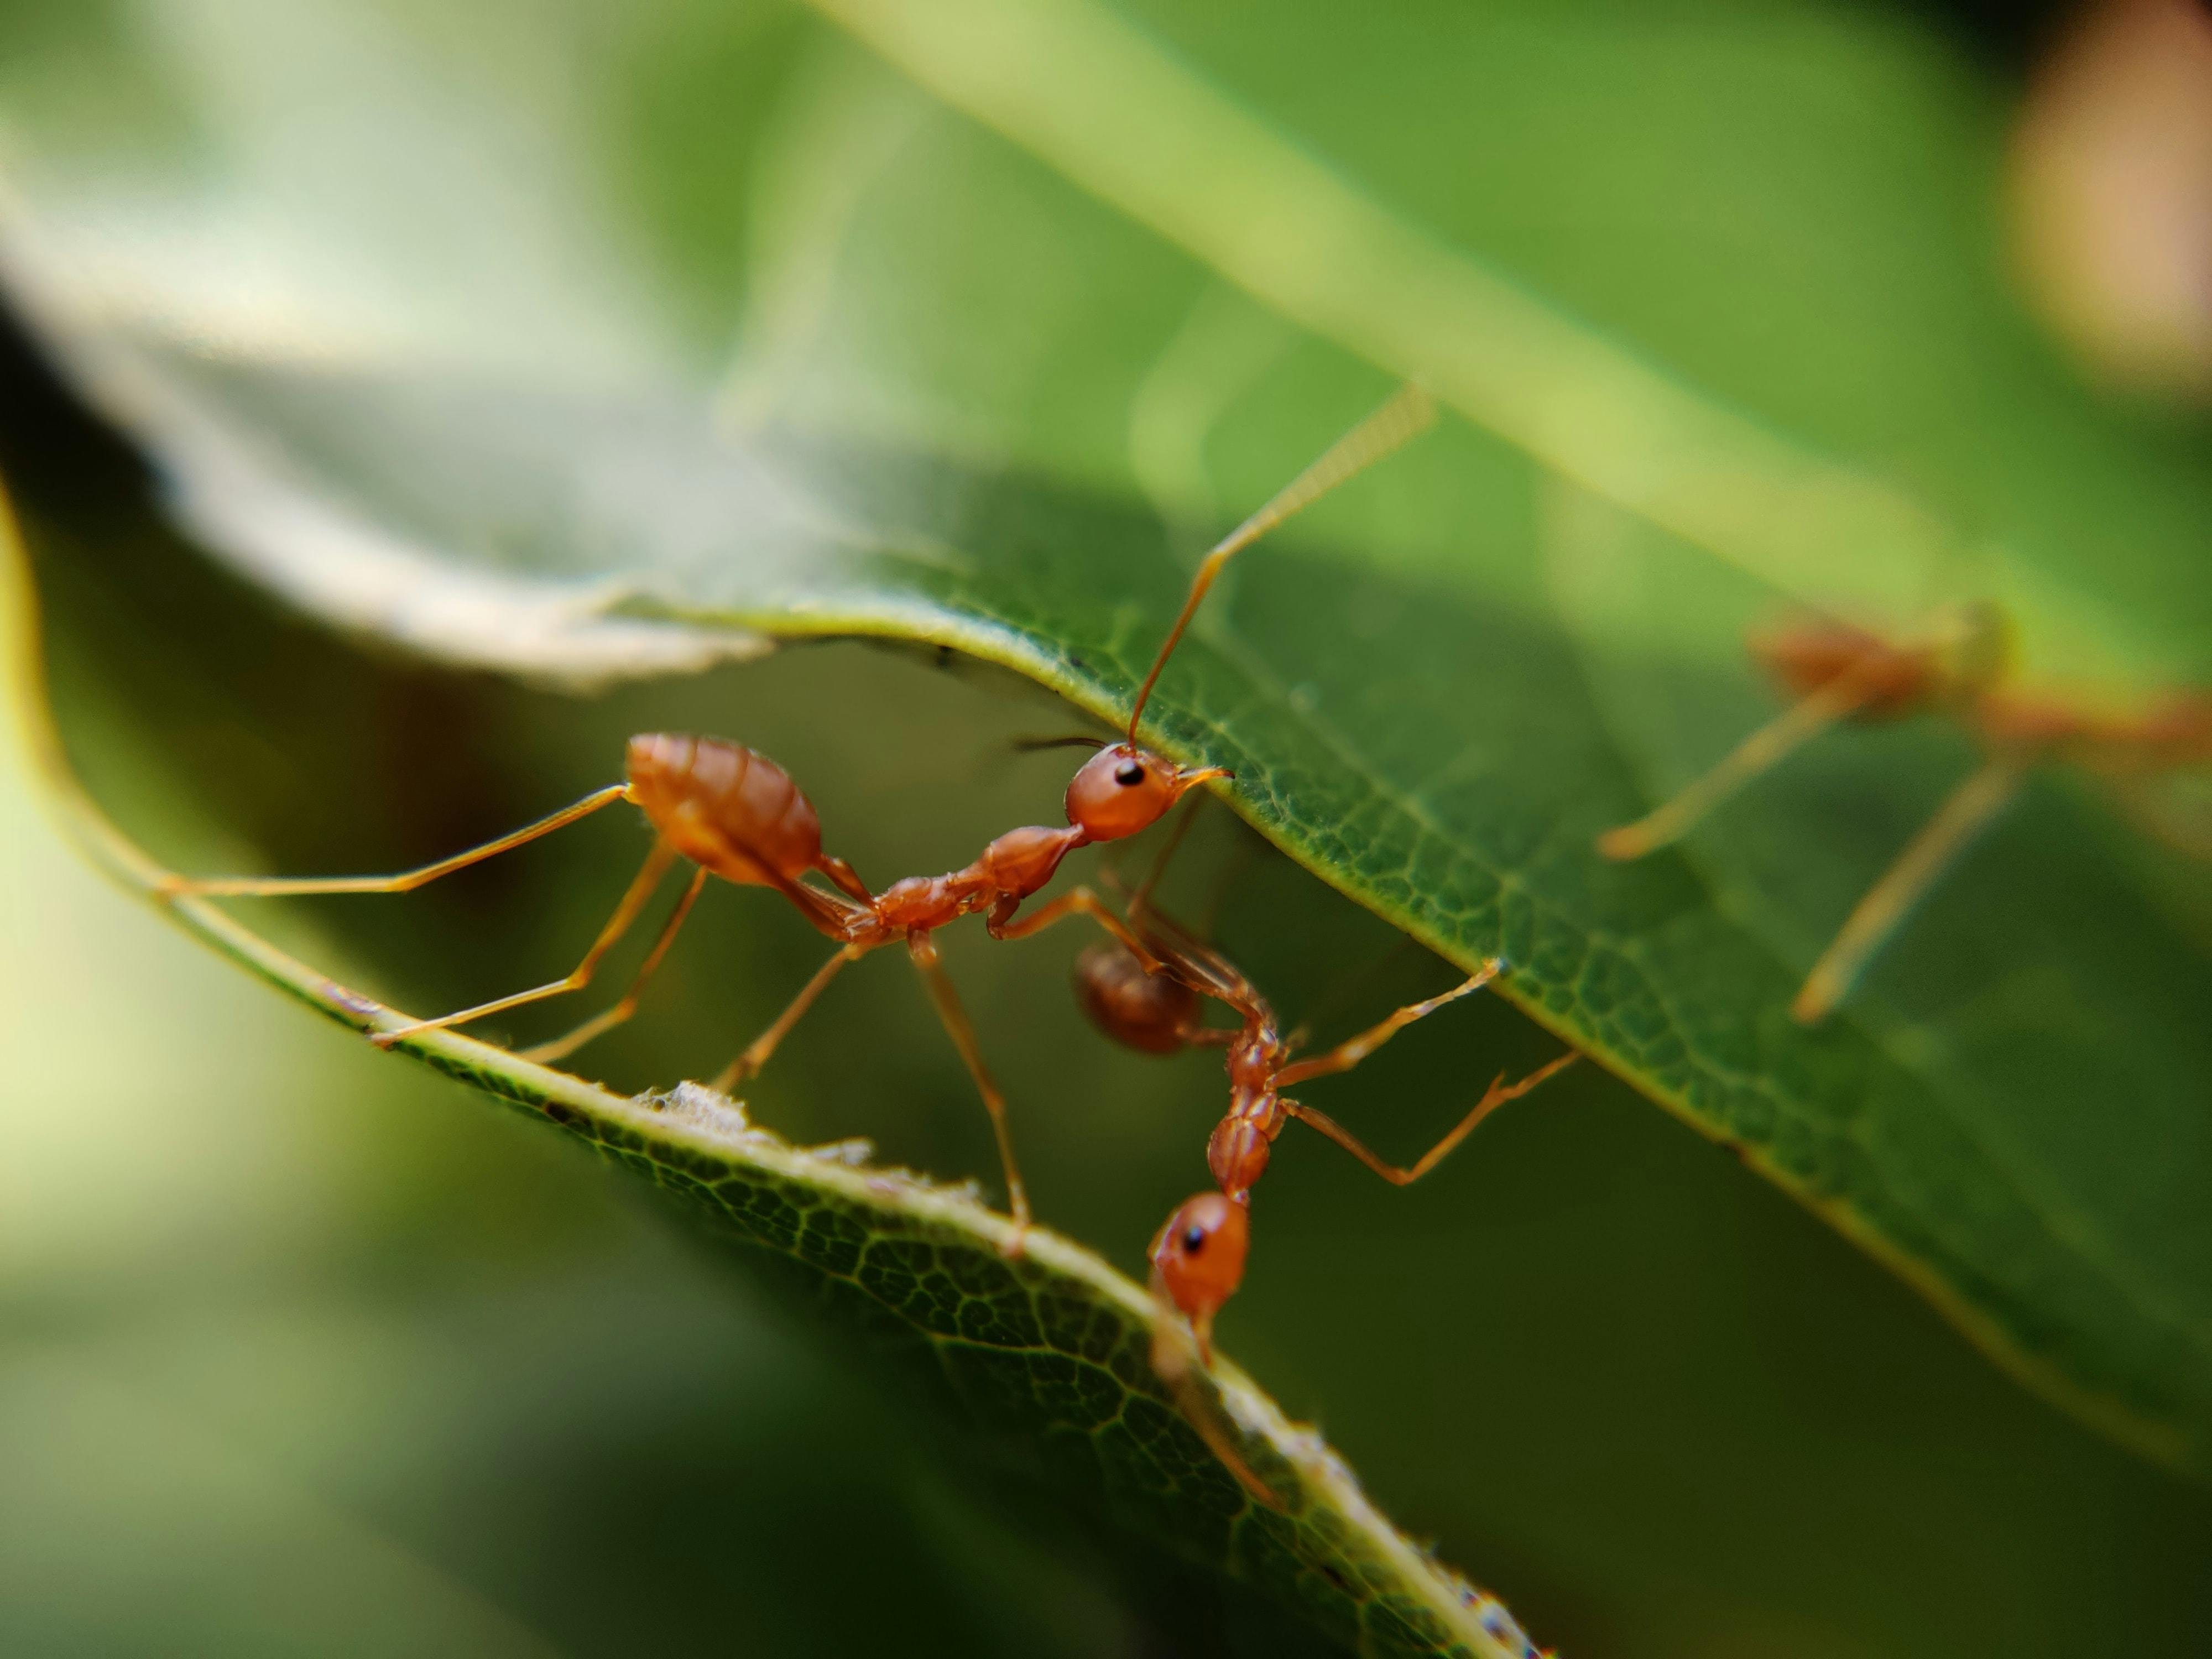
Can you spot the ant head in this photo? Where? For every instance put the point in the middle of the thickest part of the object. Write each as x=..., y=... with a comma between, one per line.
x=1151, y=1012
x=1198, y=1260
x=1122, y=789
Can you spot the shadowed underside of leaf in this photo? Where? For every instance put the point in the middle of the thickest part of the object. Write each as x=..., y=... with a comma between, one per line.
x=1439, y=722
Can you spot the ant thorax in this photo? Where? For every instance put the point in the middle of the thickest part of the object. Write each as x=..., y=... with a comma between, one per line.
x=1238, y=1150
x=1005, y=872
x=1254, y=1058
x=1021, y=861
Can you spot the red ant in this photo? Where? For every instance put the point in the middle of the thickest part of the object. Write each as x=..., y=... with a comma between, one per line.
x=1198, y=1256
x=734, y=813
x=1840, y=672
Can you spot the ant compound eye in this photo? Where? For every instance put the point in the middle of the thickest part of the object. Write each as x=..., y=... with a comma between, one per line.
x=1129, y=773
x=1193, y=1240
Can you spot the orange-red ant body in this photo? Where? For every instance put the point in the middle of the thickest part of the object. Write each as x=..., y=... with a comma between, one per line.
x=733, y=812
x=1839, y=672
x=1197, y=1257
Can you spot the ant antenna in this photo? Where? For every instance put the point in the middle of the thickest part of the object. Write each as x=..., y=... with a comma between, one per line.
x=1409, y=412
x=1075, y=740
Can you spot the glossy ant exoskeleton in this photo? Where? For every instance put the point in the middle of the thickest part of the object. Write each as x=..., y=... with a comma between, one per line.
x=733, y=812
x=1959, y=667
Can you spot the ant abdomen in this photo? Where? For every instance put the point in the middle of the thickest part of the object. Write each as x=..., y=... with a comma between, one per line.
x=709, y=798
x=1807, y=657
x=1151, y=1012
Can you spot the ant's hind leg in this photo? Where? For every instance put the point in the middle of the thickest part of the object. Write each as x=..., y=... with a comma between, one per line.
x=560, y=1046
x=1349, y=1053
x=1965, y=814
x=1492, y=1097
x=756, y=1053
x=640, y=891
x=1800, y=723
x=923, y=950
x=845, y=877
x=405, y=882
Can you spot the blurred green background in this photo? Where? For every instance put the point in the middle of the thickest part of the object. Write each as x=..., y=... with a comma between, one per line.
x=302, y=1352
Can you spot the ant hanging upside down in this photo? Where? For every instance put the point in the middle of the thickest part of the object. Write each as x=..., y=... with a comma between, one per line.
x=733, y=812
x=1148, y=997
x=1960, y=666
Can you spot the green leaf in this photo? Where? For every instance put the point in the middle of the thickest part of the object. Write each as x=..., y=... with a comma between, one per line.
x=445, y=353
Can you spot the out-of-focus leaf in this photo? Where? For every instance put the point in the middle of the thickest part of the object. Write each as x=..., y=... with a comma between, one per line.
x=657, y=336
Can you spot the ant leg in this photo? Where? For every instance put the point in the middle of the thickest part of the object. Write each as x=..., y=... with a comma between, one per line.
x=406, y=881
x=1195, y=962
x=1495, y=1095
x=1798, y=724
x=923, y=950
x=640, y=891
x=1340, y=989
x=756, y=1053
x=845, y=877
x=1408, y=412
x=1139, y=902
x=1083, y=900
x=561, y=1047
x=1969, y=811
x=1349, y=1054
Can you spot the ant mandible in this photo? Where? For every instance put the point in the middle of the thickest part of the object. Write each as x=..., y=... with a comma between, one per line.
x=733, y=812
x=1958, y=666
